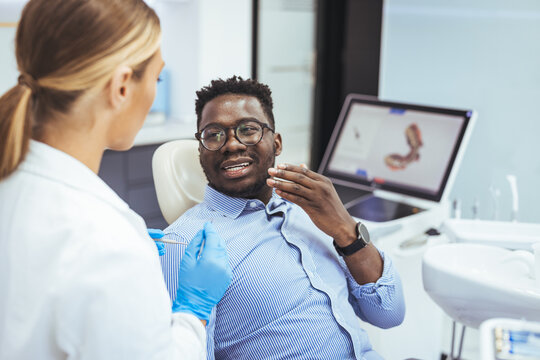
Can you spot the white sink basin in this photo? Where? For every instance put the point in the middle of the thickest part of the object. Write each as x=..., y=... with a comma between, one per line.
x=507, y=234
x=473, y=283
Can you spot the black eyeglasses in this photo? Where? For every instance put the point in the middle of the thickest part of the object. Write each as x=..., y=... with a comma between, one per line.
x=248, y=132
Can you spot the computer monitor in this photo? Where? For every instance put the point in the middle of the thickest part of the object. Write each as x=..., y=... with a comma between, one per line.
x=399, y=148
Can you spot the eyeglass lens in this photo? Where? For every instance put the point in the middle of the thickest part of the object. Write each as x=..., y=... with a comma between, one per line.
x=248, y=133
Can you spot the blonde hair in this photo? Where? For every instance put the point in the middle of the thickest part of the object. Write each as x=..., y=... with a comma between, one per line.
x=65, y=48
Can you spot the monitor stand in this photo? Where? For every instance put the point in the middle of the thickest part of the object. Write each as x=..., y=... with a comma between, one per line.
x=349, y=194
x=376, y=209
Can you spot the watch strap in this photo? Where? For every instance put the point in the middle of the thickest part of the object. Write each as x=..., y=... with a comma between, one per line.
x=358, y=244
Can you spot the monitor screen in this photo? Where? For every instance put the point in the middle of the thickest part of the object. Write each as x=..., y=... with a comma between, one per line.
x=404, y=148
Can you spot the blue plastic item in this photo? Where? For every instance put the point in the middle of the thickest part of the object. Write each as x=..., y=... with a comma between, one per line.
x=158, y=234
x=204, y=275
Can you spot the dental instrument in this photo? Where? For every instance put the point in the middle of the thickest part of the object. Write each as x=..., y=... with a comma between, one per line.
x=201, y=249
x=157, y=236
x=419, y=240
x=513, y=187
x=475, y=207
x=456, y=207
x=495, y=194
x=203, y=240
x=168, y=241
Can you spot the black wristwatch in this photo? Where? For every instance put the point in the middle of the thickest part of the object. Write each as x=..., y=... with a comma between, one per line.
x=362, y=239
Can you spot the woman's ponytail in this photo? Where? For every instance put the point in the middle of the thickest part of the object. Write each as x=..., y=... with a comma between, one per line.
x=15, y=127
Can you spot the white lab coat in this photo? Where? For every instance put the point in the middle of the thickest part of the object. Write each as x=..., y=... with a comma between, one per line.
x=79, y=277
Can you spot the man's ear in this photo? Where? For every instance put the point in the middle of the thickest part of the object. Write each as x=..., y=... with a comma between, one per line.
x=119, y=89
x=277, y=143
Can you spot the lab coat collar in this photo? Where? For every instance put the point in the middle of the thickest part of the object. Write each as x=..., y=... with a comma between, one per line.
x=48, y=162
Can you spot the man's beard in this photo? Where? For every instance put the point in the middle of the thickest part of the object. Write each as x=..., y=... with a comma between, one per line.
x=256, y=188
x=249, y=192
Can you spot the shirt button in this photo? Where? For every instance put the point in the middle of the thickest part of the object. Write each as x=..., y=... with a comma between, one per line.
x=252, y=204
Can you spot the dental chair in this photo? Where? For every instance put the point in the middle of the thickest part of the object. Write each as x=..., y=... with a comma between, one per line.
x=178, y=177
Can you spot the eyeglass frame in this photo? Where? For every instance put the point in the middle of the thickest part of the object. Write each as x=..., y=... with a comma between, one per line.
x=235, y=128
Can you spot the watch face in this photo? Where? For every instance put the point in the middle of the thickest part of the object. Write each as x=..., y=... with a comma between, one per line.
x=363, y=232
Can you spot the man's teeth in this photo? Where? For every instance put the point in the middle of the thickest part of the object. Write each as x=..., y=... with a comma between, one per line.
x=237, y=167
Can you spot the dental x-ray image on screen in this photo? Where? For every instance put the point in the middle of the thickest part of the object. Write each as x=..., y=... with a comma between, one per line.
x=406, y=149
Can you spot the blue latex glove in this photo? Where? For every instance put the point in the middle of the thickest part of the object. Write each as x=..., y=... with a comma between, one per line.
x=204, y=274
x=158, y=234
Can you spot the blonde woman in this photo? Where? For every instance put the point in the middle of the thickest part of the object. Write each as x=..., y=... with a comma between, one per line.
x=79, y=276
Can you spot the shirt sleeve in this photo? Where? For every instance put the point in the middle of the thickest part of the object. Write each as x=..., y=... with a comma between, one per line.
x=113, y=303
x=380, y=303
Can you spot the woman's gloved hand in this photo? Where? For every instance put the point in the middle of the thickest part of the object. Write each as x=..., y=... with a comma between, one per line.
x=204, y=275
x=157, y=234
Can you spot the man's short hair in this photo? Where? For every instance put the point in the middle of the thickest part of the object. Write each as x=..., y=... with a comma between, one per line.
x=235, y=85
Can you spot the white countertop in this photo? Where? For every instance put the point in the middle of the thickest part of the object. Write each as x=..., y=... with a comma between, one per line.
x=167, y=131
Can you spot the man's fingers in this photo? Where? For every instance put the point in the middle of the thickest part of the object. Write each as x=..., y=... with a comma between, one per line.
x=300, y=169
x=298, y=200
x=290, y=187
x=295, y=174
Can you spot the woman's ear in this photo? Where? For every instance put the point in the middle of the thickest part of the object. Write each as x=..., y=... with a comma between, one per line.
x=119, y=86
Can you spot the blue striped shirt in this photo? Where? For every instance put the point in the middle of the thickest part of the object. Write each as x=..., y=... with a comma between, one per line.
x=291, y=295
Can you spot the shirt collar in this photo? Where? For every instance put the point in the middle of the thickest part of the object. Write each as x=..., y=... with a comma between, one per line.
x=232, y=207
x=56, y=165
